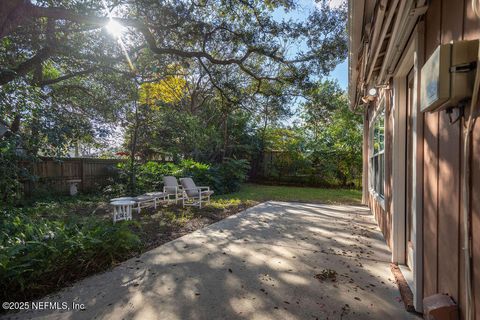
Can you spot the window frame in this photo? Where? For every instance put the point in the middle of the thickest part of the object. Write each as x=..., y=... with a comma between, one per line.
x=377, y=188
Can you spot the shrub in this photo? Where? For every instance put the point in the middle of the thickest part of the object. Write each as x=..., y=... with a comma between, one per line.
x=223, y=178
x=38, y=254
x=201, y=173
x=149, y=175
x=231, y=174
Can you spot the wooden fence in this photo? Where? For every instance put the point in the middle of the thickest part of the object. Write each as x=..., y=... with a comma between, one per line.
x=52, y=174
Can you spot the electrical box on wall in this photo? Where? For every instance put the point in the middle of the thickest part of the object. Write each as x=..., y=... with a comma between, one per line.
x=448, y=75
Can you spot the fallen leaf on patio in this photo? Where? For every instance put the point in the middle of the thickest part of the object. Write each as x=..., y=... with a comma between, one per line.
x=327, y=274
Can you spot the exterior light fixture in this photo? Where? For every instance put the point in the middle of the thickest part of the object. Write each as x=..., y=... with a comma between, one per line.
x=372, y=92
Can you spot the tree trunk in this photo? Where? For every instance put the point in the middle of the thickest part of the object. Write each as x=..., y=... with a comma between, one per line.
x=133, y=150
x=225, y=136
x=262, y=144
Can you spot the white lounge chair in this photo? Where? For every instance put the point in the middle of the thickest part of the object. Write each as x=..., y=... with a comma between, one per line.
x=193, y=195
x=142, y=201
x=172, y=189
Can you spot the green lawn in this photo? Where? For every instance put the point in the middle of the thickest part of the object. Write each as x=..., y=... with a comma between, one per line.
x=255, y=192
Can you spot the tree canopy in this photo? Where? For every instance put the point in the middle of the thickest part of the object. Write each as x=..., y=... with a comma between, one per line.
x=72, y=36
x=234, y=52
x=197, y=79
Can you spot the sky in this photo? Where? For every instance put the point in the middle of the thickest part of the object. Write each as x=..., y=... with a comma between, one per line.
x=340, y=73
x=301, y=12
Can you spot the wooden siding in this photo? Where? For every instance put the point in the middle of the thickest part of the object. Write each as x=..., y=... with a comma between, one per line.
x=443, y=256
x=383, y=218
x=443, y=145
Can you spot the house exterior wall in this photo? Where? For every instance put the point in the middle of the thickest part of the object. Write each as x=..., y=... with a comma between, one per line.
x=443, y=255
x=443, y=233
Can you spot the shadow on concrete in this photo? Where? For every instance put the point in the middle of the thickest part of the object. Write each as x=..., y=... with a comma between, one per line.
x=259, y=264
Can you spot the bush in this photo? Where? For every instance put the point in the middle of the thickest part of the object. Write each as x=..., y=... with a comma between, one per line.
x=223, y=178
x=201, y=173
x=232, y=173
x=38, y=254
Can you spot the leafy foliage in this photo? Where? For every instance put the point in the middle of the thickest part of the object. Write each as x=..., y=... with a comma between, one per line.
x=335, y=139
x=169, y=90
x=203, y=82
x=232, y=173
x=223, y=178
x=325, y=150
x=10, y=171
x=45, y=252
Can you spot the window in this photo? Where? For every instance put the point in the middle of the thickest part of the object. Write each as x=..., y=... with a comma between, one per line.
x=377, y=154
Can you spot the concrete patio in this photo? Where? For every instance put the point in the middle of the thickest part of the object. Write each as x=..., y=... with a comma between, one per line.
x=259, y=264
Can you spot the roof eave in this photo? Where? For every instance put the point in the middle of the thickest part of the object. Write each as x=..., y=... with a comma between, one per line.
x=355, y=27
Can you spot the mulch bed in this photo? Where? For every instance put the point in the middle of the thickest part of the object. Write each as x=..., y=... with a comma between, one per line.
x=169, y=222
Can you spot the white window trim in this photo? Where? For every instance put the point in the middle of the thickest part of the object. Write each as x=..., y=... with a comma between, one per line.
x=378, y=112
x=413, y=56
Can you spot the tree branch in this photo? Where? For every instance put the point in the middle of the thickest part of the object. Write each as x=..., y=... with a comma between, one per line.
x=23, y=68
x=65, y=77
x=30, y=10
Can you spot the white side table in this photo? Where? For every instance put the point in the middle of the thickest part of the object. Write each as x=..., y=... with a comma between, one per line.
x=122, y=210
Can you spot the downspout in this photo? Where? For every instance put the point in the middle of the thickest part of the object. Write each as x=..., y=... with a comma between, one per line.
x=467, y=147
